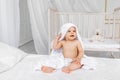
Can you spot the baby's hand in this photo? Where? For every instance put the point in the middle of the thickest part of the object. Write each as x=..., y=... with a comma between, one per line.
x=58, y=36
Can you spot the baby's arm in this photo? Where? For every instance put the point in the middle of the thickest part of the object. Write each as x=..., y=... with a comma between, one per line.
x=77, y=60
x=57, y=44
x=80, y=51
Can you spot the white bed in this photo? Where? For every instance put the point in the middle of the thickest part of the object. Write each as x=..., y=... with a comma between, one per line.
x=107, y=45
x=23, y=67
x=107, y=69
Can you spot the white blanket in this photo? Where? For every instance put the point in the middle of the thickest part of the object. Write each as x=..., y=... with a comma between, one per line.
x=106, y=69
x=9, y=56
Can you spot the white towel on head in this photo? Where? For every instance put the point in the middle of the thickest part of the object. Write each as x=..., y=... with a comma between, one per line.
x=65, y=28
x=63, y=31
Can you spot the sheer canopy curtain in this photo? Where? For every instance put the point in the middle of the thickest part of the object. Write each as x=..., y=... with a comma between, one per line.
x=38, y=10
x=38, y=17
x=9, y=22
x=78, y=5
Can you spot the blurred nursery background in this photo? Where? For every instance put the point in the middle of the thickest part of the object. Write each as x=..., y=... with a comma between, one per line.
x=31, y=25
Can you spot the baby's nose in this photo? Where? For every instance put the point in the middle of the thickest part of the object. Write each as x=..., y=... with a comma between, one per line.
x=72, y=32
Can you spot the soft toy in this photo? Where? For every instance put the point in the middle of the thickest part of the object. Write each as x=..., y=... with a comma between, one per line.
x=97, y=36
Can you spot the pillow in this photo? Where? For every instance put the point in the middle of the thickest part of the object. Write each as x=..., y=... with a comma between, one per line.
x=9, y=56
x=3, y=67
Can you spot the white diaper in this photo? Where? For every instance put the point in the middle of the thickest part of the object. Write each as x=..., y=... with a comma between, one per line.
x=56, y=61
x=67, y=61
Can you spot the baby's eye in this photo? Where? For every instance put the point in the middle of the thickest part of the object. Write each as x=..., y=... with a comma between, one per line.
x=74, y=31
x=69, y=31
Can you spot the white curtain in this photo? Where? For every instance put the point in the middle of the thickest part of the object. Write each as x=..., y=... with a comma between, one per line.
x=38, y=10
x=9, y=22
x=78, y=5
x=38, y=17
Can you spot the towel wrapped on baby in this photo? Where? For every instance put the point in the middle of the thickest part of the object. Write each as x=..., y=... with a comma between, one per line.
x=56, y=59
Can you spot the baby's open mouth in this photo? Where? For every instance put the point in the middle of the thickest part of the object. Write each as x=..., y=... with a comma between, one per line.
x=71, y=35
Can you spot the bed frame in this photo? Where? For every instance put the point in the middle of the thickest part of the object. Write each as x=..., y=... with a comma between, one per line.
x=87, y=23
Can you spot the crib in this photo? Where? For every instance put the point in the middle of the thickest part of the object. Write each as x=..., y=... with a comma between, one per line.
x=107, y=23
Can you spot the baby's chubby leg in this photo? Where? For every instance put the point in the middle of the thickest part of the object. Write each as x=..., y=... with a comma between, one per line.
x=74, y=66
x=47, y=69
x=71, y=67
x=66, y=69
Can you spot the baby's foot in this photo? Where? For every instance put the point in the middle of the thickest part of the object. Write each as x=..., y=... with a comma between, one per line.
x=47, y=69
x=66, y=69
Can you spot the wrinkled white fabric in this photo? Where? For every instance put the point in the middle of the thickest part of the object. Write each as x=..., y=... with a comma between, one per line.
x=9, y=56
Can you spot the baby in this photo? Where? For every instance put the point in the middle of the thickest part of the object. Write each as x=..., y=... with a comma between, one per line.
x=71, y=49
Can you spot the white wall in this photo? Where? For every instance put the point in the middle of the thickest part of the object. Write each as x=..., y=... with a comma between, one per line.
x=25, y=28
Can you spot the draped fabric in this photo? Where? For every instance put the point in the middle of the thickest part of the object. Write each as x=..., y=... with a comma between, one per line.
x=9, y=22
x=38, y=17
x=78, y=5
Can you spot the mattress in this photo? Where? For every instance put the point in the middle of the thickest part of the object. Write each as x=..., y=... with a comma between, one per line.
x=107, y=44
x=106, y=69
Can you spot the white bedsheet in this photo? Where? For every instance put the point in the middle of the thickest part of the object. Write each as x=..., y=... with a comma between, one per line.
x=108, y=43
x=106, y=69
